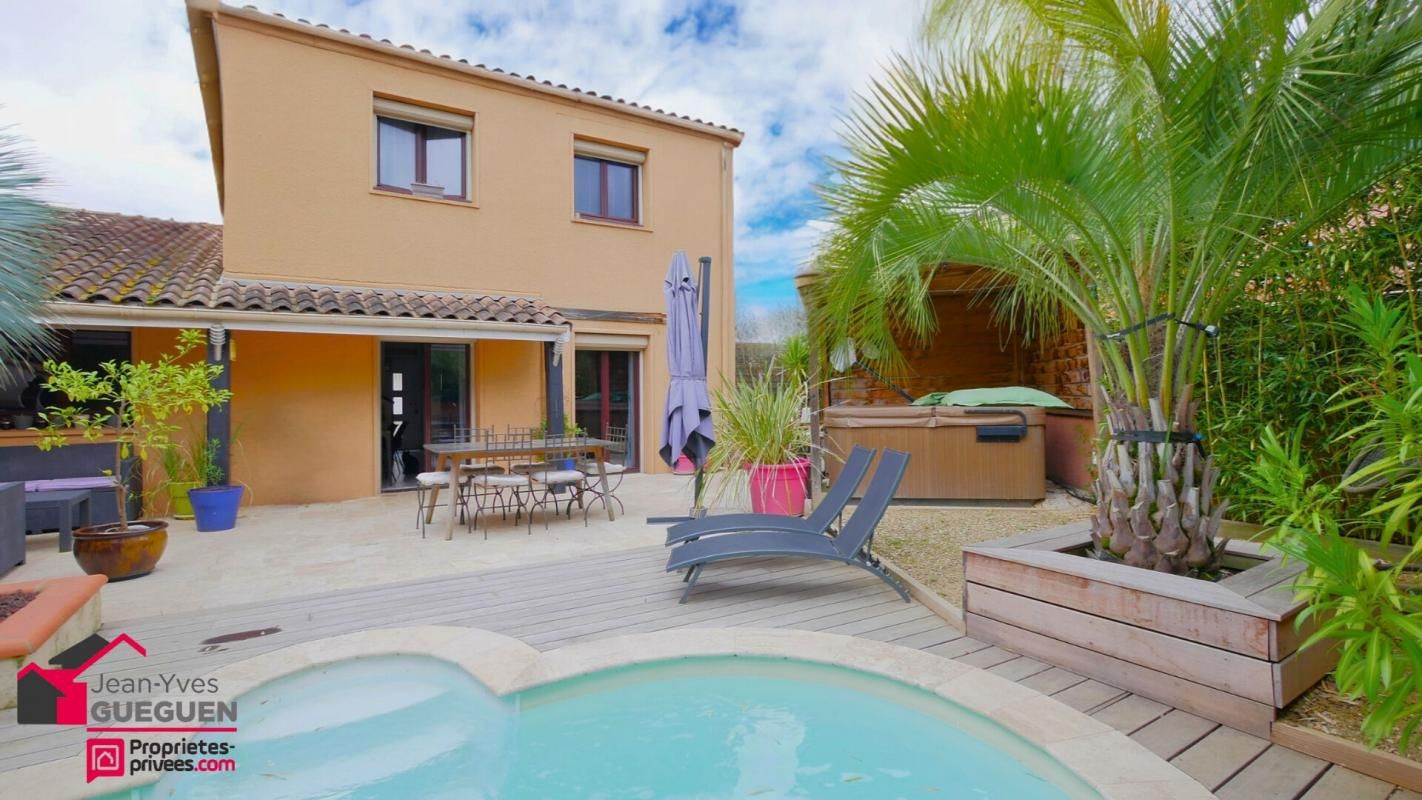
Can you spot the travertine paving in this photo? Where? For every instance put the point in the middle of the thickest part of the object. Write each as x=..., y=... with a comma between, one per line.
x=286, y=551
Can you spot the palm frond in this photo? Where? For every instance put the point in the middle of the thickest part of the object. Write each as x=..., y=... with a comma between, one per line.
x=1119, y=158
x=22, y=285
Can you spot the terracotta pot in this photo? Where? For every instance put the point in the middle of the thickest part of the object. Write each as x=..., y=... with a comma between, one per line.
x=105, y=550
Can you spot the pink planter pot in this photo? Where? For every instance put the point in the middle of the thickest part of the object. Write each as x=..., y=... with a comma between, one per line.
x=779, y=488
x=684, y=466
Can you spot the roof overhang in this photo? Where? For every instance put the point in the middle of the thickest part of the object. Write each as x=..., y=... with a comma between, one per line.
x=100, y=315
x=200, y=28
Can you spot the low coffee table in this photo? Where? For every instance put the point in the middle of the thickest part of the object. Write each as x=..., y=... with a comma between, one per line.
x=56, y=509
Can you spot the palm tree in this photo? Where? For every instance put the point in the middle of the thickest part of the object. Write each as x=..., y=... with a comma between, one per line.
x=1124, y=161
x=22, y=286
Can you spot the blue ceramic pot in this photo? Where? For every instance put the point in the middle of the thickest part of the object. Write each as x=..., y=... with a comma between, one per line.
x=215, y=507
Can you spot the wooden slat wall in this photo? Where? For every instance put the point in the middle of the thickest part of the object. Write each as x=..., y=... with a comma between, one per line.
x=967, y=351
x=949, y=464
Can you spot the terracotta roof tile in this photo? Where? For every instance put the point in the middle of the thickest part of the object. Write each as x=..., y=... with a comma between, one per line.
x=97, y=257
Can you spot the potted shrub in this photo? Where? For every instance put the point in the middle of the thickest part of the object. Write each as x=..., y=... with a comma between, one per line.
x=758, y=430
x=182, y=475
x=215, y=502
x=136, y=401
x=571, y=429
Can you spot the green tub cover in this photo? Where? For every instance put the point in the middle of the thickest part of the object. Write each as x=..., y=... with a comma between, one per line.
x=996, y=396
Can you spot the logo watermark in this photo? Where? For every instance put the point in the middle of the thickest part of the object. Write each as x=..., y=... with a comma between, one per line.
x=61, y=694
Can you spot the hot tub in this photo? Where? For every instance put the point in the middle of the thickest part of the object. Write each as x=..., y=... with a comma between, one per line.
x=959, y=453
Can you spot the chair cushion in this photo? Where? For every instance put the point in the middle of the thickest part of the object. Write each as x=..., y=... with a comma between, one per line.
x=432, y=478
x=500, y=479
x=480, y=469
x=590, y=467
x=558, y=476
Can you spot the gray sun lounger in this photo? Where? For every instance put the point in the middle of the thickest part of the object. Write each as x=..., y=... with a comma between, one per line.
x=826, y=511
x=851, y=546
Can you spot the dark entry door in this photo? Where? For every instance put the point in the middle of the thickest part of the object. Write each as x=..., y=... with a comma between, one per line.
x=424, y=397
x=402, y=413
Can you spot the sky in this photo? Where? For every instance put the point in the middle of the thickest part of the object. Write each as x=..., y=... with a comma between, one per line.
x=107, y=95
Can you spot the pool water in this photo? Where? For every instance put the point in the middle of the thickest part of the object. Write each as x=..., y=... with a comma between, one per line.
x=410, y=726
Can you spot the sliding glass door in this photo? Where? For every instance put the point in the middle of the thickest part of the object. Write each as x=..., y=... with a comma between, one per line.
x=449, y=391
x=606, y=391
x=424, y=397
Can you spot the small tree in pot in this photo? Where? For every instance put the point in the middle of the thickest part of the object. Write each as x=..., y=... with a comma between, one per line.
x=135, y=402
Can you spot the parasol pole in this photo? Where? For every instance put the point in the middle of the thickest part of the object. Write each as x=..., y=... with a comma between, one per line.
x=704, y=293
x=703, y=289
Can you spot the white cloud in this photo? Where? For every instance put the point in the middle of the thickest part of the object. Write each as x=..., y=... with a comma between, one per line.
x=108, y=94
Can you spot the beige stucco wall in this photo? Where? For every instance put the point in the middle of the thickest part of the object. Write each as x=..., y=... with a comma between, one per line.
x=298, y=138
x=304, y=416
x=508, y=384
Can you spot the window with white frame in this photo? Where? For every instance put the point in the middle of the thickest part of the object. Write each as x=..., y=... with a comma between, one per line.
x=422, y=151
x=607, y=182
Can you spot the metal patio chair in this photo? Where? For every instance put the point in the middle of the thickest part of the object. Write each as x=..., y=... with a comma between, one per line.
x=616, y=468
x=549, y=482
x=502, y=491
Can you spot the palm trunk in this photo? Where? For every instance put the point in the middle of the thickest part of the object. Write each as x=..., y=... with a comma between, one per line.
x=1155, y=503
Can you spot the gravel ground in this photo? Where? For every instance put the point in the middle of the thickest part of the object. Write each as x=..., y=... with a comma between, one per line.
x=1322, y=708
x=928, y=541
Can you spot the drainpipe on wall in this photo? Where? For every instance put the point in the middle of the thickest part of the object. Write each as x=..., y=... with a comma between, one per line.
x=219, y=418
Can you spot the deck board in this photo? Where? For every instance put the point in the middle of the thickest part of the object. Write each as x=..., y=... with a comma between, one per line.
x=1174, y=733
x=1053, y=680
x=1277, y=774
x=1130, y=713
x=1088, y=695
x=1221, y=755
x=1341, y=783
x=553, y=604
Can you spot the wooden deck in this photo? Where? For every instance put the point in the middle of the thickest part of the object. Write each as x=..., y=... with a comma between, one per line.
x=553, y=604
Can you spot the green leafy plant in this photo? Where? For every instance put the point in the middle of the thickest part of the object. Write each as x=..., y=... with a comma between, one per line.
x=794, y=360
x=1121, y=162
x=1285, y=353
x=757, y=423
x=1358, y=535
x=178, y=465
x=570, y=428
x=209, y=467
x=138, y=400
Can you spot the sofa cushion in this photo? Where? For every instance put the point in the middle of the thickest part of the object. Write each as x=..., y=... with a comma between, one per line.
x=68, y=484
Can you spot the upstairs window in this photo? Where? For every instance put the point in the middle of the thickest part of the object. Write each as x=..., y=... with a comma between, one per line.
x=607, y=182
x=422, y=151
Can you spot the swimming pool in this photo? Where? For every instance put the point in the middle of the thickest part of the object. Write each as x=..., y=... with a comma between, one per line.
x=401, y=726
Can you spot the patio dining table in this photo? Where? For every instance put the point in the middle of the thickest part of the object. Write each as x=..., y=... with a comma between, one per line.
x=449, y=455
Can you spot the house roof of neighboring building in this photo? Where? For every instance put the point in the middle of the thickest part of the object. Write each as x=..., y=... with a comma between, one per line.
x=97, y=258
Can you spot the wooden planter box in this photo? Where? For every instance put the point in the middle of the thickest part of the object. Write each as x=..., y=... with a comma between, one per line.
x=1227, y=651
x=1381, y=765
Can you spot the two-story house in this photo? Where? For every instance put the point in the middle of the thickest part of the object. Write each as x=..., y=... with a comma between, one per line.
x=411, y=244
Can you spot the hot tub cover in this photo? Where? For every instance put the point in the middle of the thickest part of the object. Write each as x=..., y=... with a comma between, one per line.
x=996, y=396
